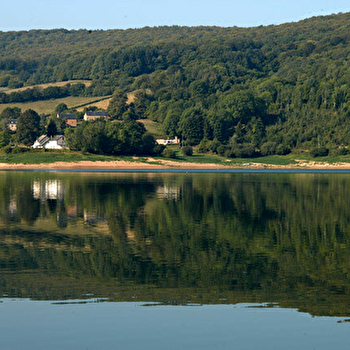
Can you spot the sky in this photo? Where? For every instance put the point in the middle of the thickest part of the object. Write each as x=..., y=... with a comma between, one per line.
x=122, y=14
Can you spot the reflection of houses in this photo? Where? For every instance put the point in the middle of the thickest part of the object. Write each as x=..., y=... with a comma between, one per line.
x=49, y=189
x=165, y=142
x=70, y=118
x=93, y=115
x=13, y=207
x=55, y=142
x=168, y=192
x=12, y=125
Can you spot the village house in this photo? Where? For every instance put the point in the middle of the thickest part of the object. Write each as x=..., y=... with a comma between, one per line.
x=71, y=118
x=55, y=142
x=93, y=115
x=12, y=124
x=165, y=142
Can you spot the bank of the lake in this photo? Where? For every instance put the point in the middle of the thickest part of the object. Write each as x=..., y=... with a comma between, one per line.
x=73, y=161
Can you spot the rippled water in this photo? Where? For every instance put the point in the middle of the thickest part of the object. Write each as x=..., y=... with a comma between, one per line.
x=177, y=239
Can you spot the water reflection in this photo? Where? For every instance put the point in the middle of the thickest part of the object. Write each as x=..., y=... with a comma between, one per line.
x=178, y=238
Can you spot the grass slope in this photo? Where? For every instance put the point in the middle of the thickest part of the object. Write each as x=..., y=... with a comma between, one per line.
x=48, y=106
x=43, y=86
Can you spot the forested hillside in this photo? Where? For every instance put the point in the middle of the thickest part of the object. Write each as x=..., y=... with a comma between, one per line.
x=233, y=91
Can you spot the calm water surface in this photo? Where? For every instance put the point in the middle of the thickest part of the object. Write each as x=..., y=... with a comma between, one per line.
x=155, y=261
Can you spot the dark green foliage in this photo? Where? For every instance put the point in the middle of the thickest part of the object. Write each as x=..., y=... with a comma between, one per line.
x=191, y=126
x=5, y=138
x=268, y=148
x=51, y=129
x=11, y=113
x=319, y=152
x=168, y=153
x=339, y=151
x=245, y=150
x=187, y=150
x=36, y=94
x=28, y=127
x=204, y=146
x=61, y=108
x=117, y=107
x=115, y=138
x=283, y=150
x=285, y=84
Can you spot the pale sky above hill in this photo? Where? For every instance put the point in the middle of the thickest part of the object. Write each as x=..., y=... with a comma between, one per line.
x=115, y=14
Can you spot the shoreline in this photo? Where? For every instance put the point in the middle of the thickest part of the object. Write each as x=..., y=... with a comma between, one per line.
x=171, y=165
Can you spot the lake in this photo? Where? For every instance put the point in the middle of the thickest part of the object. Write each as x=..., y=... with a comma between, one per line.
x=174, y=260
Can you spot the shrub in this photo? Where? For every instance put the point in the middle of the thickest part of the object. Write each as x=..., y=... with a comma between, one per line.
x=268, y=148
x=341, y=151
x=221, y=150
x=187, y=151
x=204, y=146
x=168, y=153
x=158, y=149
x=245, y=150
x=17, y=149
x=319, y=152
x=7, y=149
x=214, y=146
x=282, y=150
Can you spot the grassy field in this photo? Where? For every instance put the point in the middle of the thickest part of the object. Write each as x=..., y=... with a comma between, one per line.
x=156, y=129
x=41, y=157
x=48, y=106
x=43, y=86
x=38, y=157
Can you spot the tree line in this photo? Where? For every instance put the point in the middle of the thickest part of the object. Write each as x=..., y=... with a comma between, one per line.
x=48, y=93
x=262, y=90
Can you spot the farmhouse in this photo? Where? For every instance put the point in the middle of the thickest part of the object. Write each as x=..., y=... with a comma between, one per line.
x=71, y=118
x=165, y=142
x=12, y=125
x=55, y=142
x=93, y=115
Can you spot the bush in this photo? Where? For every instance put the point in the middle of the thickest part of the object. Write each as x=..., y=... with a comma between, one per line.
x=7, y=149
x=245, y=150
x=204, y=146
x=168, y=153
x=340, y=151
x=282, y=150
x=268, y=148
x=158, y=149
x=215, y=144
x=319, y=152
x=187, y=151
x=221, y=150
x=17, y=150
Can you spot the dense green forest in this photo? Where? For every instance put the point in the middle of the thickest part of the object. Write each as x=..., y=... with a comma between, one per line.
x=233, y=91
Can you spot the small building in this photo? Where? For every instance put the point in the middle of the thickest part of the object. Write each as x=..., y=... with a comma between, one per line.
x=12, y=124
x=93, y=115
x=55, y=142
x=71, y=118
x=165, y=142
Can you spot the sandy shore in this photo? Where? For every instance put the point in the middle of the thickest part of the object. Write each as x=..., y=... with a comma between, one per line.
x=166, y=164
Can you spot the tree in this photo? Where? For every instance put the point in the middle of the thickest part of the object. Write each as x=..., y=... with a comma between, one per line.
x=61, y=108
x=191, y=126
x=117, y=107
x=28, y=127
x=11, y=113
x=51, y=129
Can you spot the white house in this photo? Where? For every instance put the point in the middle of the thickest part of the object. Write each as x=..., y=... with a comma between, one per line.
x=55, y=142
x=165, y=142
